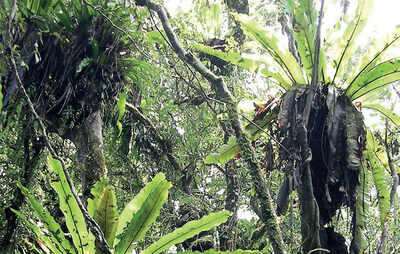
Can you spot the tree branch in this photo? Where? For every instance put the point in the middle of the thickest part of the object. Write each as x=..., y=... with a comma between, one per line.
x=165, y=145
x=218, y=85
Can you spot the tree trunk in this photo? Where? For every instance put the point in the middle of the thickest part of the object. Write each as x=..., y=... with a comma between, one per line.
x=88, y=140
x=229, y=228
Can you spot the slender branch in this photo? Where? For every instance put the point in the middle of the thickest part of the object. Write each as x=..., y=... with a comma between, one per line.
x=165, y=145
x=92, y=224
x=223, y=94
x=265, y=132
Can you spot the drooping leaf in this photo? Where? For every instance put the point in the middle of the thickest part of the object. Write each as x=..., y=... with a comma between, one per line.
x=380, y=177
x=83, y=241
x=346, y=42
x=250, y=64
x=369, y=60
x=38, y=232
x=386, y=112
x=224, y=154
x=187, y=231
x=361, y=209
x=83, y=64
x=103, y=209
x=380, y=75
x=305, y=27
x=54, y=229
x=145, y=208
x=270, y=43
x=121, y=111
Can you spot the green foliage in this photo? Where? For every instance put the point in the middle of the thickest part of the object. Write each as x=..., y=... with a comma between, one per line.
x=48, y=241
x=369, y=61
x=133, y=222
x=386, y=112
x=55, y=233
x=228, y=151
x=210, y=18
x=148, y=203
x=250, y=64
x=361, y=208
x=121, y=111
x=379, y=175
x=305, y=27
x=83, y=241
x=1, y=98
x=103, y=209
x=269, y=42
x=376, y=77
x=187, y=231
x=346, y=43
x=223, y=252
x=224, y=154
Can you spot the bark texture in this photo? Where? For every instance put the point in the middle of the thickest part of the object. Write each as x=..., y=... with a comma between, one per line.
x=88, y=140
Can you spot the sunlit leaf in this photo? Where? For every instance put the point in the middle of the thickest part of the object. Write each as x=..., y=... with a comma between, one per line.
x=188, y=230
x=386, y=112
x=346, y=42
x=379, y=76
x=270, y=43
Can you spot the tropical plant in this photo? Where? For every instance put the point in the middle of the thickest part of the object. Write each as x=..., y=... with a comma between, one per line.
x=121, y=232
x=316, y=115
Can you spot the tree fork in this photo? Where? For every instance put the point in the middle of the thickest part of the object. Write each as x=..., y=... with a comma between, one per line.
x=218, y=85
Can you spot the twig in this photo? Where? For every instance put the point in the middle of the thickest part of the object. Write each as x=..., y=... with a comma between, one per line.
x=165, y=145
x=269, y=135
x=92, y=224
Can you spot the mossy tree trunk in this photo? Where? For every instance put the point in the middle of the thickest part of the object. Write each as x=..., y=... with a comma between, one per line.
x=223, y=94
x=88, y=140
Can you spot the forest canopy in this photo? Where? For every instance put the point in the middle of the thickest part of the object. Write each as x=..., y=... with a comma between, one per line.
x=228, y=126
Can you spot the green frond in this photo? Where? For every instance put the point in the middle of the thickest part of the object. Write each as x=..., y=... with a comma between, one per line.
x=224, y=154
x=103, y=209
x=305, y=28
x=361, y=209
x=83, y=240
x=270, y=43
x=121, y=111
x=140, y=213
x=256, y=65
x=55, y=232
x=49, y=241
x=187, y=231
x=376, y=77
x=222, y=252
x=386, y=112
x=228, y=151
x=380, y=177
x=347, y=41
x=369, y=59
